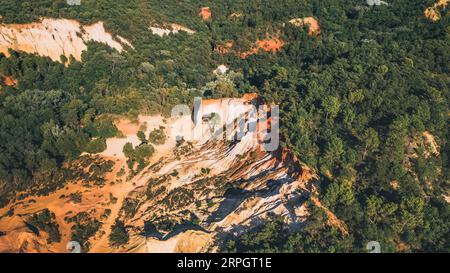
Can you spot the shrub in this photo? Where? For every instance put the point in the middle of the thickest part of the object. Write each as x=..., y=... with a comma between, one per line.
x=119, y=235
x=157, y=136
x=95, y=146
x=45, y=220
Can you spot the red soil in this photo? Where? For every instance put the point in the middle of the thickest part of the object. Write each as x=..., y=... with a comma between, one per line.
x=8, y=80
x=127, y=127
x=205, y=13
x=268, y=45
x=223, y=48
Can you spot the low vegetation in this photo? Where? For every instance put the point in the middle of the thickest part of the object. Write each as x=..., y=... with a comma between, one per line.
x=157, y=136
x=46, y=221
x=139, y=155
x=84, y=227
x=119, y=235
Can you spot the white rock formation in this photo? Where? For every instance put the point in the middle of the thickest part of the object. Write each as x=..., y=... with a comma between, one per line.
x=221, y=69
x=173, y=28
x=56, y=37
x=311, y=22
x=376, y=2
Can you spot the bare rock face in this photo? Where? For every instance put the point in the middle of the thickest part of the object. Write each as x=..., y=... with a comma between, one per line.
x=195, y=190
x=311, y=22
x=171, y=28
x=271, y=45
x=56, y=37
x=205, y=13
x=209, y=187
x=376, y=3
x=433, y=12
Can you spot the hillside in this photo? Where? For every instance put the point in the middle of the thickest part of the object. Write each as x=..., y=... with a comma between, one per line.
x=89, y=153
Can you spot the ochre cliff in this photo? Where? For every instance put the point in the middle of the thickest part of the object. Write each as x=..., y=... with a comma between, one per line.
x=56, y=37
x=196, y=188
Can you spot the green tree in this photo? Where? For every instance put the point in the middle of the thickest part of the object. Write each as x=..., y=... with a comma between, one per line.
x=142, y=137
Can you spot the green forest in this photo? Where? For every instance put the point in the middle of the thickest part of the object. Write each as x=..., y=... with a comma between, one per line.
x=357, y=103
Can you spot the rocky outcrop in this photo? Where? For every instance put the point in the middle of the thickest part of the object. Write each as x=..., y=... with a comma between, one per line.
x=191, y=241
x=172, y=28
x=8, y=80
x=433, y=12
x=311, y=22
x=56, y=37
x=209, y=186
x=221, y=69
x=199, y=185
x=269, y=45
x=376, y=3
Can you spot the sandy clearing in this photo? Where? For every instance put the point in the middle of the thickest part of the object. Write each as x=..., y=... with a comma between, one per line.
x=433, y=12
x=129, y=130
x=172, y=28
x=332, y=219
x=8, y=80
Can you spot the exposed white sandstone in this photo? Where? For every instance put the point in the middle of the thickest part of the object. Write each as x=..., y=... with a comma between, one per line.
x=56, y=37
x=221, y=69
x=172, y=28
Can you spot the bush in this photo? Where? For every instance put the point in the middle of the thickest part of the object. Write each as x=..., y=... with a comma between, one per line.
x=95, y=146
x=84, y=228
x=141, y=136
x=75, y=197
x=45, y=220
x=157, y=136
x=104, y=128
x=144, y=151
x=119, y=235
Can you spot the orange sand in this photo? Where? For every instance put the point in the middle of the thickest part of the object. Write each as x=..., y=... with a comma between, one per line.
x=205, y=13
x=268, y=45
